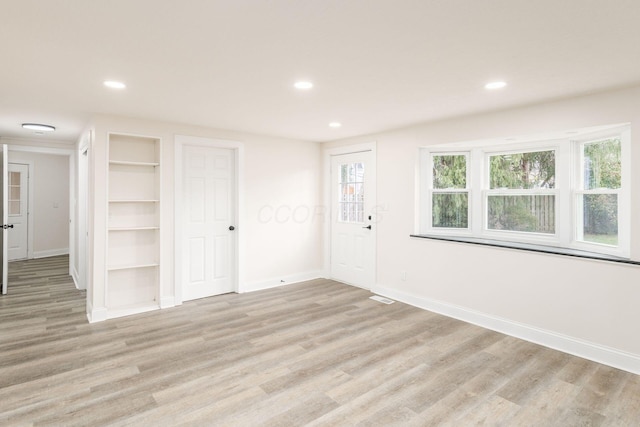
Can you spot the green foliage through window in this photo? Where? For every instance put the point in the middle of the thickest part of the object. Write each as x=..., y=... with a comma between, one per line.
x=523, y=170
x=449, y=171
x=602, y=165
x=450, y=210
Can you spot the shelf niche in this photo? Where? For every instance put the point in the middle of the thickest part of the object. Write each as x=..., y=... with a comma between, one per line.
x=133, y=227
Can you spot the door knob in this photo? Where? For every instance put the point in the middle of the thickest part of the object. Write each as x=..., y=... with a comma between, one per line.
x=7, y=226
x=231, y=227
x=368, y=227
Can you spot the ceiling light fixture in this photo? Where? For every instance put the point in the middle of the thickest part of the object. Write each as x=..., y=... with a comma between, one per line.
x=112, y=84
x=38, y=127
x=335, y=124
x=495, y=85
x=303, y=85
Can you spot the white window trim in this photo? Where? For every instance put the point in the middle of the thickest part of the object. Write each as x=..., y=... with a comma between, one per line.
x=551, y=239
x=568, y=184
x=428, y=185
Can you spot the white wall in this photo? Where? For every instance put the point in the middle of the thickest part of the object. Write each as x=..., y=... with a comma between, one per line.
x=279, y=173
x=582, y=306
x=50, y=210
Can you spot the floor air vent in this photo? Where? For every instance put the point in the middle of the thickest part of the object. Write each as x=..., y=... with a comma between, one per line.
x=382, y=299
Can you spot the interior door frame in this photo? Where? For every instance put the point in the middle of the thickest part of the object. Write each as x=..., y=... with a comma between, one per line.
x=70, y=152
x=80, y=273
x=328, y=154
x=238, y=268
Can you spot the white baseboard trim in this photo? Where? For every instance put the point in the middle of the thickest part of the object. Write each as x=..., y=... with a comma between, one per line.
x=280, y=281
x=587, y=350
x=167, y=302
x=76, y=279
x=74, y=276
x=97, y=315
x=51, y=252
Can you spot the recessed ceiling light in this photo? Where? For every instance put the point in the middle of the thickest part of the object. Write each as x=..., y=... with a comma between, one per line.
x=112, y=84
x=303, y=85
x=495, y=85
x=335, y=124
x=38, y=127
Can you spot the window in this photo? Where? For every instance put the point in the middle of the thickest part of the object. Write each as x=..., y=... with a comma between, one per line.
x=521, y=195
x=598, y=193
x=555, y=191
x=351, y=193
x=449, y=193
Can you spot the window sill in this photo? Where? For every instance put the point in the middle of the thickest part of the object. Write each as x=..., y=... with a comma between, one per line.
x=528, y=247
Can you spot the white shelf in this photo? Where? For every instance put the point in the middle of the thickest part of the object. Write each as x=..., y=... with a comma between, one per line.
x=133, y=232
x=129, y=163
x=129, y=267
x=133, y=228
x=134, y=201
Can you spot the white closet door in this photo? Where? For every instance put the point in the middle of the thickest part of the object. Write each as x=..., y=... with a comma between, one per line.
x=208, y=221
x=4, y=183
x=18, y=210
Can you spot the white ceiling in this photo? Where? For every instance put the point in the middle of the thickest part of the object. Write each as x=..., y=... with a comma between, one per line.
x=376, y=64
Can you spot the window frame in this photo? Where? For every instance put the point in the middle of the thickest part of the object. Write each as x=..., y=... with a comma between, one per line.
x=515, y=235
x=428, y=182
x=623, y=193
x=568, y=187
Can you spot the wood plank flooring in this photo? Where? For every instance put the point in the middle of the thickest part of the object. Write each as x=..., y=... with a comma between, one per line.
x=318, y=353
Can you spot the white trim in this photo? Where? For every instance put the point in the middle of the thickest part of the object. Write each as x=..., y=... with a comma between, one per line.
x=51, y=252
x=97, y=315
x=238, y=148
x=575, y=346
x=76, y=279
x=167, y=302
x=282, y=281
x=72, y=180
x=328, y=153
x=42, y=150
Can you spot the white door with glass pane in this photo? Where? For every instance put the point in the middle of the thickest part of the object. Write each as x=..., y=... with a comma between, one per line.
x=208, y=239
x=4, y=183
x=18, y=210
x=353, y=221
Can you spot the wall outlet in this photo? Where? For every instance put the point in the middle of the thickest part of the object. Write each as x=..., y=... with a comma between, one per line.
x=403, y=275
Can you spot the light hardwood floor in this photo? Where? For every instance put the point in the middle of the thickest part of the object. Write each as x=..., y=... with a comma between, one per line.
x=318, y=353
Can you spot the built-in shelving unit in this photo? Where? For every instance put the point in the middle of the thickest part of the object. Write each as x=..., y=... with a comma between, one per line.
x=133, y=228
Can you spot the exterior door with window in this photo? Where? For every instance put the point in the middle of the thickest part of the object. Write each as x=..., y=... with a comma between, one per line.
x=353, y=222
x=18, y=210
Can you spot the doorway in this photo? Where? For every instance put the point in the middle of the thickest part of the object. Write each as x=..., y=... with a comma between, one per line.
x=353, y=227
x=54, y=205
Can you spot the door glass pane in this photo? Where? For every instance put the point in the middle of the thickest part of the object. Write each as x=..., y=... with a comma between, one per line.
x=600, y=218
x=14, y=208
x=535, y=214
x=351, y=193
x=14, y=193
